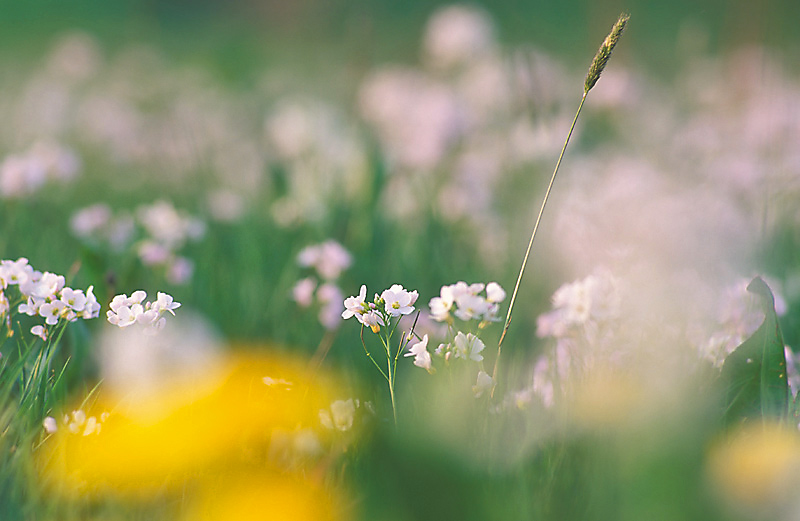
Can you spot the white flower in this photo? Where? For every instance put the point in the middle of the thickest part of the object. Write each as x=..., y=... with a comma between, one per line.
x=51, y=311
x=4, y=304
x=468, y=346
x=74, y=299
x=39, y=331
x=92, y=307
x=398, y=301
x=495, y=293
x=422, y=358
x=471, y=306
x=165, y=302
x=42, y=285
x=15, y=272
x=484, y=383
x=440, y=308
x=126, y=311
x=372, y=319
x=355, y=305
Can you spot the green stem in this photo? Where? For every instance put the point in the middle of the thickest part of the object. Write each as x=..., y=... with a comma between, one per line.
x=530, y=243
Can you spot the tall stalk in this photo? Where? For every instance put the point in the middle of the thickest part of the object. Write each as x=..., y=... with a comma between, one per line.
x=595, y=69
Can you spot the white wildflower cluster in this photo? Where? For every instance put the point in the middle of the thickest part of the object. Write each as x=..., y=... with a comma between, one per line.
x=580, y=306
x=164, y=230
x=24, y=174
x=392, y=303
x=126, y=311
x=76, y=423
x=43, y=294
x=97, y=223
x=322, y=154
x=328, y=259
x=465, y=302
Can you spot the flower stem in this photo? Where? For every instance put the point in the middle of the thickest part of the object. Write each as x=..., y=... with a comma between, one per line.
x=392, y=375
x=530, y=243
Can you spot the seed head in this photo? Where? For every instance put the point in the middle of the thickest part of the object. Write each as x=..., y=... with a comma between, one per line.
x=604, y=53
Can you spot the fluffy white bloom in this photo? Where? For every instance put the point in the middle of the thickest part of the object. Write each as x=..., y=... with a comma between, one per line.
x=4, y=304
x=422, y=358
x=398, y=301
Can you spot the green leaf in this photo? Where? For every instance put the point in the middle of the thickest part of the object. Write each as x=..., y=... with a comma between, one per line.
x=755, y=373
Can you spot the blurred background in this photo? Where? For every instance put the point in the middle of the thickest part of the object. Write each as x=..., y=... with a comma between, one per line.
x=261, y=160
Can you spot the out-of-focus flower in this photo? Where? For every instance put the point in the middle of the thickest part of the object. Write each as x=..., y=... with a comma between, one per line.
x=164, y=441
x=419, y=350
x=457, y=34
x=303, y=292
x=593, y=299
x=329, y=259
x=468, y=346
x=754, y=469
x=465, y=302
x=24, y=174
x=340, y=416
x=76, y=423
x=330, y=298
x=482, y=384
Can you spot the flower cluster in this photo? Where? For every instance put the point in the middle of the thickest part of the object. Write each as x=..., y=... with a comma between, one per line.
x=164, y=230
x=329, y=259
x=465, y=302
x=393, y=302
x=126, y=310
x=44, y=294
x=25, y=173
x=76, y=423
x=585, y=302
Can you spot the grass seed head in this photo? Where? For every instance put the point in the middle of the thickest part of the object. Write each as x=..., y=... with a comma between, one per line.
x=604, y=53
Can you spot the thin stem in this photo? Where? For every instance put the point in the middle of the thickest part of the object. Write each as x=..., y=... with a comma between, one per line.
x=369, y=355
x=391, y=389
x=530, y=243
